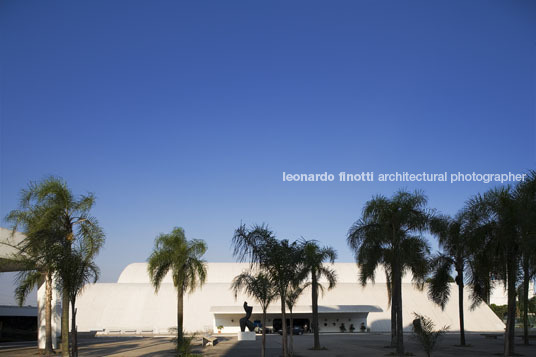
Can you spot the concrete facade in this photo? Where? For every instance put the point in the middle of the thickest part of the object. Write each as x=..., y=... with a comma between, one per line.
x=499, y=295
x=131, y=306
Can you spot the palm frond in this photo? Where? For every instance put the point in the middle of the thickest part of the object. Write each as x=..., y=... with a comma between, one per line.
x=173, y=252
x=439, y=287
x=26, y=281
x=258, y=286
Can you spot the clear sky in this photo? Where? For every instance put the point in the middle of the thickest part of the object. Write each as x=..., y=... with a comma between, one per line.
x=187, y=113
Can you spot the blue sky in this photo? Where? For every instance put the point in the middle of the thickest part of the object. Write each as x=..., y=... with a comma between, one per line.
x=187, y=113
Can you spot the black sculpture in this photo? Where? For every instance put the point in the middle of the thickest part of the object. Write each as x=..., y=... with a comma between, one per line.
x=244, y=321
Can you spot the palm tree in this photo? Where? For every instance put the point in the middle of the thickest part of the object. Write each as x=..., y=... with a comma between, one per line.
x=261, y=288
x=388, y=234
x=280, y=260
x=174, y=253
x=76, y=271
x=313, y=264
x=293, y=293
x=36, y=258
x=453, y=240
x=525, y=195
x=497, y=249
x=282, y=265
x=68, y=220
x=73, y=214
x=41, y=218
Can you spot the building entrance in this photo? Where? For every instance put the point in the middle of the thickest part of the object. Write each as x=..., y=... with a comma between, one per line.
x=299, y=322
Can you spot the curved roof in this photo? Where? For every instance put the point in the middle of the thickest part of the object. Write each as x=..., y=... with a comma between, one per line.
x=136, y=273
x=9, y=240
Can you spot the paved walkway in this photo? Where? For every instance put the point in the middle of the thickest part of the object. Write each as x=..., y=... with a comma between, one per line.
x=338, y=345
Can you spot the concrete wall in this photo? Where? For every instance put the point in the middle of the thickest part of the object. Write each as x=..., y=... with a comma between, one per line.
x=499, y=295
x=132, y=305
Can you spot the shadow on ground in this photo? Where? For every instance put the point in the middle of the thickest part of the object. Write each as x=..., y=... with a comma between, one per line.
x=338, y=345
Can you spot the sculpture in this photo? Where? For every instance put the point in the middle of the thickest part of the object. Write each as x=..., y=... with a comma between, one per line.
x=244, y=321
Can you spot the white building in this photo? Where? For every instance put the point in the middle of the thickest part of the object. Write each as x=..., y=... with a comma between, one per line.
x=131, y=306
x=499, y=295
x=8, y=263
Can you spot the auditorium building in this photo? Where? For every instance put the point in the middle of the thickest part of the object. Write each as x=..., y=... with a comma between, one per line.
x=131, y=305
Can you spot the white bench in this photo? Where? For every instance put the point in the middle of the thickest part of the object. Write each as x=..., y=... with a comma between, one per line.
x=209, y=341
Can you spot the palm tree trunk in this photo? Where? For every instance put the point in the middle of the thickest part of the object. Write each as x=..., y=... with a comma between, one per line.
x=393, y=318
x=74, y=337
x=284, y=325
x=526, y=280
x=65, y=296
x=65, y=322
x=510, y=322
x=180, y=315
x=314, y=293
x=460, y=307
x=391, y=290
x=263, y=349
x=48, y=315
x=291, y=349
x=399, y=325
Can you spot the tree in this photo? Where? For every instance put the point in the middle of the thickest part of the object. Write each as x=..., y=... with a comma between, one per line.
x=388, y=234
x=77, y=269
x=261, y=288
x=53, y=219
x=496, y=249
x=67, y=220
x=500, y=310
x=294, y=291
x=525, y=195
x=455, y=253
x=280, y=260
x=174, y=253
x=47, y=216
x=36, y=257
x=314, y=258
x=531, y=305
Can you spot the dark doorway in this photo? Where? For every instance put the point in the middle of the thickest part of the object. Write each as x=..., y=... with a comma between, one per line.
x=18, y=328
x=300, y=322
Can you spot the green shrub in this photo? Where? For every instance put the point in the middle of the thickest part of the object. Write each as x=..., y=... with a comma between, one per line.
x=500, y=310
x=423, y=328
x=185, y=347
